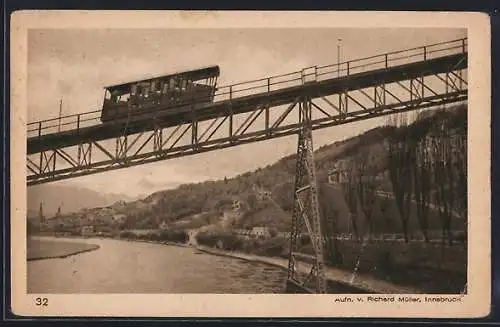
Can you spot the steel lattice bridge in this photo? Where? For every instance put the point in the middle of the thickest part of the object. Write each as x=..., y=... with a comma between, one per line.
x=296, y=103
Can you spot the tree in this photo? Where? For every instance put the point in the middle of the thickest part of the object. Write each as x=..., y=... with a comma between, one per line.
x=422, y=172
x=422, y=178
x=284, y=196
x=350, y=196
x=461, y=189
x=458, y=124
x=252, y=201
x=329, y=220
x=401, y=156
x=444, y=178
x=29, y=227
x=366, y=186
x=384, y=202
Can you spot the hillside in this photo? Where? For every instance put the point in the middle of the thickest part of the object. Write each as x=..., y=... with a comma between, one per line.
x=264, y=197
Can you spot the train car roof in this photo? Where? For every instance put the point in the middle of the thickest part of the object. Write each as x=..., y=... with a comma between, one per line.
x=195, y=74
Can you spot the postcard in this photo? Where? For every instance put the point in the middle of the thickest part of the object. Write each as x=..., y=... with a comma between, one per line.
x=250, y=164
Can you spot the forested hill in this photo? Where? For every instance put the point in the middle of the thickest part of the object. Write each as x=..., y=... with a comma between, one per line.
x=271, y=186
x=264, y=196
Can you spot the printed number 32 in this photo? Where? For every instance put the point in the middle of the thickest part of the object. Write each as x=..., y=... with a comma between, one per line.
x=42, y=301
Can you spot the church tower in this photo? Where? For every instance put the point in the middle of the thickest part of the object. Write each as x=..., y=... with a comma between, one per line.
x=40, y=213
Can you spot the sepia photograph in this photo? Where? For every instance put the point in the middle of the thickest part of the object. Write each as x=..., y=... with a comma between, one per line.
x=272, y=160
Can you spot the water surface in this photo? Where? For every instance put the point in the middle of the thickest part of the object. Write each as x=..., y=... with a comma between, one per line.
x=136, y=267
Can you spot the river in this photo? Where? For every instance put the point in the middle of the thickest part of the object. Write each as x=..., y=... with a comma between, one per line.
x=136, y=267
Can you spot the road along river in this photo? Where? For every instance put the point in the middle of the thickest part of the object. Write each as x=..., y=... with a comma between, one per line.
x=136, y=267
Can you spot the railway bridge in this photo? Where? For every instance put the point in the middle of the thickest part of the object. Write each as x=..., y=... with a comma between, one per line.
x=296, y=103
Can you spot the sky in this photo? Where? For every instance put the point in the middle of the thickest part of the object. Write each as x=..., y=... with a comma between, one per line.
x=75, y=64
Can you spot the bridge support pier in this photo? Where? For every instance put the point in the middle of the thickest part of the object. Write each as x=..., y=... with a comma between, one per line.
x=306, y=213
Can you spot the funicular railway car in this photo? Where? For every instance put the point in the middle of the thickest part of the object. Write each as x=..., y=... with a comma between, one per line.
x=168, y=94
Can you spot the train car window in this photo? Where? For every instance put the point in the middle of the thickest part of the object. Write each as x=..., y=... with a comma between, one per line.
x=133, y=89
x=146, y=91
x=172, y=84
x=107, y=94
x=155, y=86
x=139, y=90
x=177, y=85
x=184, y=84
x=115, y=96
x=124, y=97
x=165, y=87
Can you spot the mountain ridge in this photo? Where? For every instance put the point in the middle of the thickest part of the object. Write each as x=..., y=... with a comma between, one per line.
x=69, y=198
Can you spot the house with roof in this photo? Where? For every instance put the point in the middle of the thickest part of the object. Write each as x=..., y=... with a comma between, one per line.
x=261, y=232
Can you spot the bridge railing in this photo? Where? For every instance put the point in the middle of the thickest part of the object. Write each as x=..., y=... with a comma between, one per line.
x=274, y=83
x=64, y=123
x=392, y=59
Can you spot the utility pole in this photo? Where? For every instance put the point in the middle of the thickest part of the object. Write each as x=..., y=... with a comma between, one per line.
x=339, y=43
x=58, y=213
x=60, y=114
x=40, y=213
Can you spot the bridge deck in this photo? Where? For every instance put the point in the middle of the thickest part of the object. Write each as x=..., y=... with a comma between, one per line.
x=165, y=118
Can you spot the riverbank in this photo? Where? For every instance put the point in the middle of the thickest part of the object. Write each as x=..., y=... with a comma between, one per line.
x=348, y=281
x=344, y=281
x=40, y=249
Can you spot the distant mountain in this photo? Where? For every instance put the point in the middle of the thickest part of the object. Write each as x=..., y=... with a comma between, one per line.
x=69, y=198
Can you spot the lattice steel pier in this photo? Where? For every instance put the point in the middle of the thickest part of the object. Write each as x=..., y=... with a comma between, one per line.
x=306, y=211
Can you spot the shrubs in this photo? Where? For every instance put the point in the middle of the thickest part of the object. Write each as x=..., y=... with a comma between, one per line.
x=177, y=236
x=231, y=242
x=221, y=239
x=385, y=260
x=275, y=247
x=305, y=239
x=224, y=240
x=127, y=235
x=153, y=236
x=207, y=239
x=273, y=232
x=251, y=246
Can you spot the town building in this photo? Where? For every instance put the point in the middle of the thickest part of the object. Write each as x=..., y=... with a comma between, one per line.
x=163, y=225
x=261, y=232
x=237, y=205
x=87, y=230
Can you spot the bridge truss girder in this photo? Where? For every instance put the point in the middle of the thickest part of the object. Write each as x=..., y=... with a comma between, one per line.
x=92, y=156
